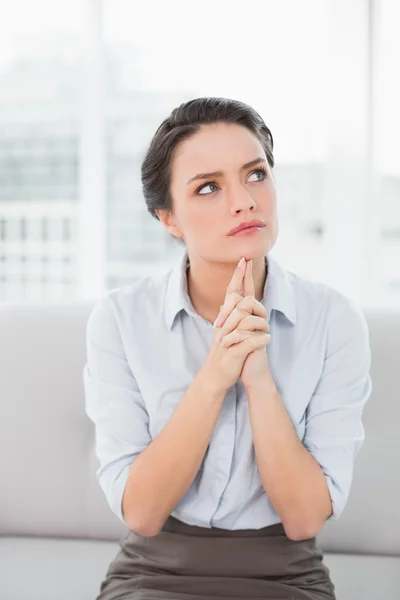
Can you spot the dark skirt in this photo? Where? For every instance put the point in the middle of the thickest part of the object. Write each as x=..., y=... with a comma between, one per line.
x=186, y=562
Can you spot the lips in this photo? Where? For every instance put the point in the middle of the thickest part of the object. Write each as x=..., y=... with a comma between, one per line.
x=246, y=225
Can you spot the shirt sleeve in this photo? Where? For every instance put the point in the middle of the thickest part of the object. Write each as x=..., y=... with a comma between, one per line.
x=334, y=431
x=113, y=402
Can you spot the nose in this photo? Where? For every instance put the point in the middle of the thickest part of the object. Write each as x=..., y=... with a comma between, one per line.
x=240, y=200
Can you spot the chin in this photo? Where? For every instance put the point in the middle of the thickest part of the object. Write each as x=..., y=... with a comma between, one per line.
x=251, y=250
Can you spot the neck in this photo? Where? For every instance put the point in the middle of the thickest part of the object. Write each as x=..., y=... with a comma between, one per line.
x=207, y=283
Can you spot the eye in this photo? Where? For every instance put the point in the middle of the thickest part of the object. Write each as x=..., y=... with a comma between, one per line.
x=261, y=172
x=210, y=184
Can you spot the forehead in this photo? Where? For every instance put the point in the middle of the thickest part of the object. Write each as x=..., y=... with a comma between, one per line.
x=217, y=146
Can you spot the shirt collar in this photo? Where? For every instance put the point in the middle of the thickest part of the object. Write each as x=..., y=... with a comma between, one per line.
x=278, y=291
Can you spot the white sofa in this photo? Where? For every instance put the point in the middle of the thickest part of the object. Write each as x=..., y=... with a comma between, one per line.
x=58, y=536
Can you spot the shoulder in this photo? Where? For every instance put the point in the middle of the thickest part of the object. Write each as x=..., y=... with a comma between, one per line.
x=132, y=302
x=329, y=309
x=316, y=299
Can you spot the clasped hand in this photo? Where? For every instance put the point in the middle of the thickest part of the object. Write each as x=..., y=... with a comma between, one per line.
x=243, y=319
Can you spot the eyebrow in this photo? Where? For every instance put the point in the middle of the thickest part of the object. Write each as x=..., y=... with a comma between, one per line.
x=220, y=173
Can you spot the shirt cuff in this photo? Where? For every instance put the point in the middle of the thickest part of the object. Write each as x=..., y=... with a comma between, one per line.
x=337, y=499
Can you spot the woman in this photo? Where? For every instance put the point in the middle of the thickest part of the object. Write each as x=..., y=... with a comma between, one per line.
x=227, y=393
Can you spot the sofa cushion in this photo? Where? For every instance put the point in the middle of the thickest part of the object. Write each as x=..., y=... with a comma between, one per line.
x=61, y=569
x=43, y=421
x=33, y=568
x=364, y=576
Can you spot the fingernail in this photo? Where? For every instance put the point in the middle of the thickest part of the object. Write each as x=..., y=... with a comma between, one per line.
x=216, y=322
x=241, y=262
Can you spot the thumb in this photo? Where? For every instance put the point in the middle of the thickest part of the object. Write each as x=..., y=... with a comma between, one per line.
x=217, y=334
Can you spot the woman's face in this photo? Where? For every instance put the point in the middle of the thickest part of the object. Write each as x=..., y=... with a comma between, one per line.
x=206, y=207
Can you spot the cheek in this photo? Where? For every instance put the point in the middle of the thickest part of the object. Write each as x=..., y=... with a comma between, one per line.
x=272, y=195
x=202, y=211
x=201, y=220
x=272, y=202
x=196, y=219
x=267, y=196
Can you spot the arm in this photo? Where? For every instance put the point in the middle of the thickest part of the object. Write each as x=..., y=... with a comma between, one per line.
x=309, y=483
x=165, y=470
x=143, y=479
x=291, y=477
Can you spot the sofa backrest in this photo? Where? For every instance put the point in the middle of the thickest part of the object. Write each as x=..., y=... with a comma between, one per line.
x=47, y=464
x=47, y=459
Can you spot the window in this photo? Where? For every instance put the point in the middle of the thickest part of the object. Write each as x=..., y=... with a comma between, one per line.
x=85, y=84
x=39, y=140
x=387, y=153
x=154, y=68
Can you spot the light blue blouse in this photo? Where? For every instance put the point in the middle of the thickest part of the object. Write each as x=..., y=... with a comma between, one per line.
x=146, y=343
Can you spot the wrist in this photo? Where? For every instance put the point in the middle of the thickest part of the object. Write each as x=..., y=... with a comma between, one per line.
x=211, y=383
x=264, y=383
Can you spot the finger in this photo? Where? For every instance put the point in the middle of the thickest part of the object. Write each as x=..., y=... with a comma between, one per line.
x=236, y=283
x=248, y=283
x=241, y=320
x=248, y=323
x=235, y=301
x=233, y=291
x=233, y=320
x=231, y=301
x=252, y=306
x=255, y=339
x=217, y=334
x=235, y=337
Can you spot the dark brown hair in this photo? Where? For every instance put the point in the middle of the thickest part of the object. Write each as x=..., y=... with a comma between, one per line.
x=183, y=122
